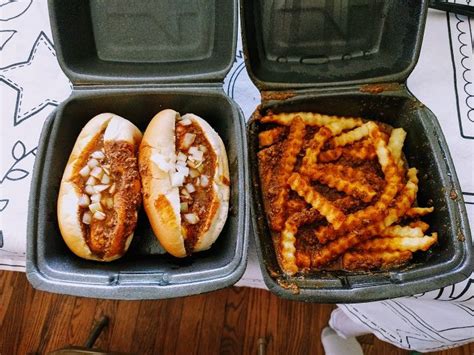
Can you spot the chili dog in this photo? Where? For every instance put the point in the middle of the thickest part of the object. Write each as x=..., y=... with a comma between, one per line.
x=185, y=177
x=100, y=194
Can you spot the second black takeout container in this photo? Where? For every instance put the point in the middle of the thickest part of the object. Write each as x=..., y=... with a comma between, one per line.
x=135, y=58
x=352, y=58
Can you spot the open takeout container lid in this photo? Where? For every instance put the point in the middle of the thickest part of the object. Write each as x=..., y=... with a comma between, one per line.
x=304, y=44
x=143, y=42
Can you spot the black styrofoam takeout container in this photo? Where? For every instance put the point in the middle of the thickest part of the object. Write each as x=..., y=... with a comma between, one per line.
x=135, y=58
x=352, y=58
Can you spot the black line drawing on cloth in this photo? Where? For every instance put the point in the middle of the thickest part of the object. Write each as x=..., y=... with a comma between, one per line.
x=13, y=265
x=470, y=196
x=232, y=81
x=465, y=308
x=5, y=36
x=17, y=78
x=1, y=239
x=429, y=327
x=366, y=321
x=463, y=135
x=3, y=204
x=11, y=9
x=19, y=153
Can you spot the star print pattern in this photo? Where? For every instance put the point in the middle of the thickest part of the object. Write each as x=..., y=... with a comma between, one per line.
x=27, y=76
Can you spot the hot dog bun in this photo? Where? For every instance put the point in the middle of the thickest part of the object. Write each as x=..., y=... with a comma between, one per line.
x=162, y=196
x=109, y=142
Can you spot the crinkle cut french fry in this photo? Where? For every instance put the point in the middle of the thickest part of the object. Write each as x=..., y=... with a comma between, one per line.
x=353, y=135
x=334, y=178
x=302, y=187
x=287, y=248
x=420, y=224
x=354, y=260
x=290, y=259
x=344, y=170
x=399, y=243
x=309, y=118
x=404, y=200
x=419, y=211
x=330, y=155
x=402, y=231
x=311, y=156
x=337, y=126
x=335, y=248
x=375, y=212
x=363, y=151
x=292, y=147
x=395, y=144
x=270, y=137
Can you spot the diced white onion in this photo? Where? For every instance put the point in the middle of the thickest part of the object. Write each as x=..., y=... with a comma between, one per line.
x=99, y=215
x=200, y=168
x=97, y=172
x=161, y=161
x=204, y=180
x=89, y=190
x=203, y=148
x=182, y=170
x=193, y=150
x=96, y=198
x=188, y=140
x=181, y=157
x=190, y=188
x=181, y=163
x=198, y=181
x=98, y=155
x=86, y=218
x=112, y=189
x=183, y=207
x=177, y=179
x=105, y=179
x=198, y=155
x=193, y=173
x=91, y=181
x=94, y=207
x=100, y=188
x=85, y=171
x=84, y=200
x=106, y=169
x=185, y=122
x=92, y=163
x=191, y=218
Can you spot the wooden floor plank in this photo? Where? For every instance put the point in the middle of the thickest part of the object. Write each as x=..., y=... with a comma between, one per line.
x=82, y=318
x=57, y=324
x=190, y=325
x=122, y=330
x=232, y=339
x=7, y=284
x=166, y=339
x=212, y=323
x=14, y=318
x=36, y=303
x=258, y=313
x=228, y=321
x=145, y=325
